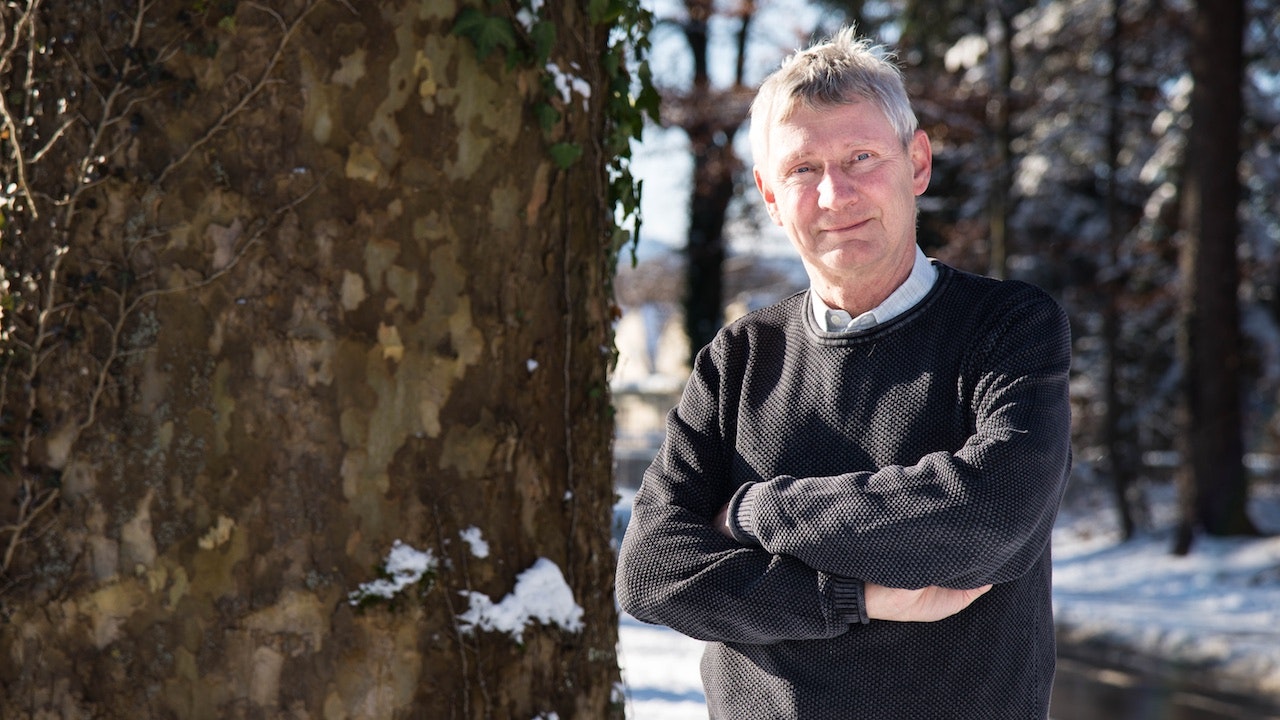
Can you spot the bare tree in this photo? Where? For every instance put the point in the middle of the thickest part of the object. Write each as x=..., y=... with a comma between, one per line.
x=710, y=117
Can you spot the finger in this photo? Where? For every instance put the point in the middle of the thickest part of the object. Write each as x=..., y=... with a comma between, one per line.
x=979, y=592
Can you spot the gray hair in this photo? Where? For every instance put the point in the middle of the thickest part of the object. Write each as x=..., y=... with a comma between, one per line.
x=841, y=70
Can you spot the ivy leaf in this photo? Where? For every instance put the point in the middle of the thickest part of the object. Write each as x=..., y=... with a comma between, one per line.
x=544, y=39
x=648, y=102
x=547, y=115
x=485, y=32
x=602, y=11
x=565, y=154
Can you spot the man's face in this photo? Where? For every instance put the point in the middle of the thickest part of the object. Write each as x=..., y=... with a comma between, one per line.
x=841, y=184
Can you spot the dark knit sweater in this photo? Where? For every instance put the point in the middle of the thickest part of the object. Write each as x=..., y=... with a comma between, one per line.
x=930, y=450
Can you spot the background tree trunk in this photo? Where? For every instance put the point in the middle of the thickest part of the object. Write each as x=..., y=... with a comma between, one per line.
x=1213, y=485
x=711, y=119
x=1000, y=117
x=288, y=283
x=1116, y=434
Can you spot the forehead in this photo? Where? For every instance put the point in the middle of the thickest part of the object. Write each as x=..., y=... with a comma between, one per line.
x=803, y=129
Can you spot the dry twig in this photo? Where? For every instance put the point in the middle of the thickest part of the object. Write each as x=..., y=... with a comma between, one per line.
x=30, y=505
x=263, y=80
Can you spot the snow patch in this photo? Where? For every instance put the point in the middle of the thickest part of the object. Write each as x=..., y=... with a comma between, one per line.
x=568, y=84
x=541, y=594
x=404, y=566
x=475, y=539
x=527, y=16
x=1031, y=174
x=966, y=53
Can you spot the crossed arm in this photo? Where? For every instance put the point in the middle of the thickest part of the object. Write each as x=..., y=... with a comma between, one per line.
x=927, y=604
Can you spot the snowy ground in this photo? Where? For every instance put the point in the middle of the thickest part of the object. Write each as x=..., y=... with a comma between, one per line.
x=1210, y=617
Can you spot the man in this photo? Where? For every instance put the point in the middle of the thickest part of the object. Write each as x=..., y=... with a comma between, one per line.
x=854, y=500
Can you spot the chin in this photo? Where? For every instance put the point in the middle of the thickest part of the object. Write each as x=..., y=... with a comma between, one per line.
x=853, y=260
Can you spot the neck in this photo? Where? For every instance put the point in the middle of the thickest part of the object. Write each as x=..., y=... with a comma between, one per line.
x=856, y=295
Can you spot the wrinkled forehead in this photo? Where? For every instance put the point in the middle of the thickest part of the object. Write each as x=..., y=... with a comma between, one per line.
x=800, y=112
x=786, y=107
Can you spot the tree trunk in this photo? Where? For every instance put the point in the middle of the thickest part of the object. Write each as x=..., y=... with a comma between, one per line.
x=1116, y=436
x=711, y=120
x=1000, y=118
x=1213, y=487
x=714, y=164
x=289, y=283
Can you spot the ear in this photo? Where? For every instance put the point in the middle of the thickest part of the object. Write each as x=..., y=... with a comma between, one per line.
x=770, y=200
x=921, y=161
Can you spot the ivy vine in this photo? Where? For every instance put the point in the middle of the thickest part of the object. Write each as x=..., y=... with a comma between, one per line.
x=527, y=39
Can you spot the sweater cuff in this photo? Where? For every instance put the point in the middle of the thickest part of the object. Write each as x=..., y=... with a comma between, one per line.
x=742, y=515
x=849, y=596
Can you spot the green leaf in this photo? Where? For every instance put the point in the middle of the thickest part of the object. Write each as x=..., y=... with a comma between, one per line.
x=649, y=101
x=565, y=154
x=596, y=10
x=548, y=116
x=485, y=32
x=544, y=39
x=611, y=62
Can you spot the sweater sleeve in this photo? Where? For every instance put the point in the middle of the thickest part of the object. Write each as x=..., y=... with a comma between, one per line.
x=674, y=568
x=982, y=514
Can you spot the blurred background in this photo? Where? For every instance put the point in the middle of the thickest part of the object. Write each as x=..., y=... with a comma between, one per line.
x=1121, y=154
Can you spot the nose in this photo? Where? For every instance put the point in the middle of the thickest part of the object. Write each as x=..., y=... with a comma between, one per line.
x=836, y=189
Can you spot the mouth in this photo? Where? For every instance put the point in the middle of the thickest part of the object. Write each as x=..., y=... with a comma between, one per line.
x=847, y=227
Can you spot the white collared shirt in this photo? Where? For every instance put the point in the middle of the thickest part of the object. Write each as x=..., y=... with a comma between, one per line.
x=911, y=291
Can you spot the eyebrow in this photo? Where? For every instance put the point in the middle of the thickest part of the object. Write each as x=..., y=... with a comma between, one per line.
x=853, y=146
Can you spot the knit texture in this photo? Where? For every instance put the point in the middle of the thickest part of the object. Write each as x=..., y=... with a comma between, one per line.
x=931, y=450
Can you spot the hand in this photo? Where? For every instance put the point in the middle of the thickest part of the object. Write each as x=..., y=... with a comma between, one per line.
x=924, y=605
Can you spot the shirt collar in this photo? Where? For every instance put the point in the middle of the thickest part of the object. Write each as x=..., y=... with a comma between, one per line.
x=911, y=291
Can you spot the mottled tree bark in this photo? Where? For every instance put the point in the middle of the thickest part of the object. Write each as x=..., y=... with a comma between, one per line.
x=289, y=282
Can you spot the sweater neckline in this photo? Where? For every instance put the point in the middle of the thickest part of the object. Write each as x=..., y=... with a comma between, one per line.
x=823, y=337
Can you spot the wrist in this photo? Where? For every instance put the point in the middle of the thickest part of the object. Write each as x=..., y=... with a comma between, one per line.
x=740, y=515
x=849, y=597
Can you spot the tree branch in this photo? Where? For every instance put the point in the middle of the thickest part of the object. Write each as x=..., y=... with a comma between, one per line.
x=30, y=505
